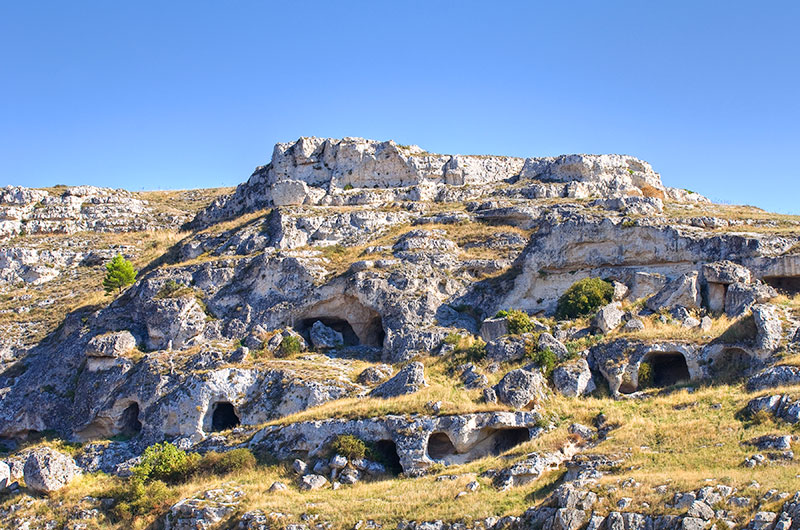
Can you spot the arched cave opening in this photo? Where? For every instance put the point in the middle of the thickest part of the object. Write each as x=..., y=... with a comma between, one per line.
x=731, y=365
x=667, y=369
x=341, y=325
x=505, y=439
x=784, y=284
x=223, y=417
x=374, y=333
x=130, y=425
x=440, y=446
x=386, y=453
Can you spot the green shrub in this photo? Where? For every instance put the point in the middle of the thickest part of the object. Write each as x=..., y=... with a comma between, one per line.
x=453, y=338
x=477, y=351
x=518, y=321
x=584, y=297
x=348, y=187
x=348, y=446
x=645, y=375
x=290, y=345
x=119, y=273
x=136, y=499
x=165, y=462
x=545, y=359
x=226, y=462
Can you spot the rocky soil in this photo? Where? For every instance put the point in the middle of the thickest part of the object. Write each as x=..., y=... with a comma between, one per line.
x=360, y=288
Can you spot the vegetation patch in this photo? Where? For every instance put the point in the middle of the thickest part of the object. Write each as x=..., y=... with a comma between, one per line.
x=584, y=297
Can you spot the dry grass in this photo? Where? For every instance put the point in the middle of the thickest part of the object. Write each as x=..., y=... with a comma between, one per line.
x=655, y=329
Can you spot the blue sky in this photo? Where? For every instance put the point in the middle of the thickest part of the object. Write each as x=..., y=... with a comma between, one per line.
x=157, y=95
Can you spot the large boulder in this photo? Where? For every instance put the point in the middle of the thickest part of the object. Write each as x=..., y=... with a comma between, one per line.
x=741, y=297
x=726, y=272
x=683, y=291
x=769, y=326
x=324, y=337
x=509, y=347
x=608, y=317
x=407, y=381
x=548, y=342
x=493, y=328
x=5, y=476
x=574, y=379
x=375, y=374
x=312, y=482
x=47, y=470
x=203, y=511
x=521, y=389
x=646, y=284
x=774, y=376
x=111, y=344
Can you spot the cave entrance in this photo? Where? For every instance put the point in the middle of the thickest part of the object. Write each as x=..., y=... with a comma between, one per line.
x=732, y=365
x=784, y=284
x=386, y=453
x=341, y=325
x=505, y=439
x=129, y=421
x=667, y=369
x=440, y=446
x=223, y=417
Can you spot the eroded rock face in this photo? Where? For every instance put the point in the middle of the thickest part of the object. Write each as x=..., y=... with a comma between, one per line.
x=407, y=381
x=521, y=389
x=47, y=470
x=574, y=379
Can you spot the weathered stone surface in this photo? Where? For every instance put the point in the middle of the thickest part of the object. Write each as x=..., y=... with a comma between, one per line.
x=492, y=328
x=375, y=374
x=608, y=318
x=521, y=389
x=774, y=376
x=509, y=347
x=548, y=342
x=769, y=326
x=5, y=476
x=204, y=511
x=781, y=406
x=312, y=482
x=726, y=272
x=680, y=292
x=47, y=470
x=324, y=337
x=407, y=381
x=741, y=297
x=574, y=379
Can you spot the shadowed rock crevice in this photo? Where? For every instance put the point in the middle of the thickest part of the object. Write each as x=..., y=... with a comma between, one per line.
x=129, y=421
x=386, y=452
x=785, y=284
x=440, y=446
x=358, y=324
x=223, y=417
x=667, y=369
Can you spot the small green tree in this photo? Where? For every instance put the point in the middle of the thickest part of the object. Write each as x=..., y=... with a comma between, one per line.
x=584, y=297
x=119, y=273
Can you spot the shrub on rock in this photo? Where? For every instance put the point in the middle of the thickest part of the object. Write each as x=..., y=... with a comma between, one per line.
x=584, y=297
x=348, y=446
x=518, y=321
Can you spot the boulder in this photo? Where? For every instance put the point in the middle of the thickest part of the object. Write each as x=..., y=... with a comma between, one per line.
x=471, y=377
x=407, y=381
x=521, y=389
x=509, y=348
x=646, y=284
x=741, y=297
x=548, y=342
x=769, y=326
x=5, y=476
x=493, y=328
x=375, y=374
x=683, y=291
x=203, y=511
x=324, y=337
x=620, y=291
x=47, y=470
x=278, y=486
x=568, y=519
x=774, y=376
x=633, y=325
x=608, y=317
x=111, y=344
x=726, y=272
x=312, y=482
x=574, y=379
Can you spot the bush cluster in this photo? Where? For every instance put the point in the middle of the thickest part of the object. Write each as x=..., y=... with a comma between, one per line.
x=518, y=321
x=545, y=359
x=348, y=446
x=584, y=297
x=290, y=345
x=645, y=376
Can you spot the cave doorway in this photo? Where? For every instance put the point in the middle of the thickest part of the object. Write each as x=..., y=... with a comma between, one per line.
x=732, y=365
x=223, y=417
x=440, y=446
x=505, y=439
x=341, y=325
x=129, y=421
x=784, y=284
x=386, y=454
x=667, y=369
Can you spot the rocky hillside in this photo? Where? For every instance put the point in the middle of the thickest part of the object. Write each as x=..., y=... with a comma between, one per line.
x=368, y=335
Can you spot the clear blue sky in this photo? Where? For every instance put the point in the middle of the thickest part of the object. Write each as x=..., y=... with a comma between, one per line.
x=155, y=95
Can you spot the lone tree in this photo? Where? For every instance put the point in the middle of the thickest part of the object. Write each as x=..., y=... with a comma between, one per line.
x=119, y=273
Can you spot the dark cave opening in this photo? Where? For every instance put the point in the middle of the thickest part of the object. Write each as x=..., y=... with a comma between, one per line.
x=129, y=421
x=223, y=417
x=506, y=439
x=784, y=284
x=668, y=369
x=386, y=453
x=440, y=446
